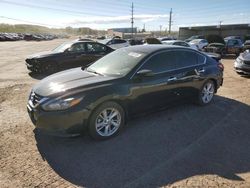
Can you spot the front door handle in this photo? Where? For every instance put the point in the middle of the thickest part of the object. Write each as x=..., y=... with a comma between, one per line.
x=172, y=79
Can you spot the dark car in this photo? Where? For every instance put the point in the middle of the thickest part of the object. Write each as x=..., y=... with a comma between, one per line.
x=242, y=63
x=152, y=40
x=125, y=82
x=233, y=46
x=133, y=42
x=246, y=45
x=218, y=48
x=68, y=55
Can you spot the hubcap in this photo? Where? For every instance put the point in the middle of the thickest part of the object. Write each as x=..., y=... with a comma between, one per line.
x=108, y=122
x=207, y=92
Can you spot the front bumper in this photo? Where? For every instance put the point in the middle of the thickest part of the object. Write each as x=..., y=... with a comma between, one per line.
x=67, y=122
x=242, y=68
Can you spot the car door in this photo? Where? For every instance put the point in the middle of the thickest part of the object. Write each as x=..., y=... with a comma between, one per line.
x=157, y=90
x=190, y=71
x=74, y=56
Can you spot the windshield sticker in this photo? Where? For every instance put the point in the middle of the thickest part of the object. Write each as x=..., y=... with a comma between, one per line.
x=134, y=54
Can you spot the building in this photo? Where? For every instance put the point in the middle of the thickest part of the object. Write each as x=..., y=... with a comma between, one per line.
x=125, y=33
x=223, y=30
x=121, y=31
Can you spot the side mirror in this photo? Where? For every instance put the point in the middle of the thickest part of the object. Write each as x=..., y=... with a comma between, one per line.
x=145, y=73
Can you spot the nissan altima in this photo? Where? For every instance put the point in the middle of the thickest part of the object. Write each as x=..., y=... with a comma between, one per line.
x=131, y=80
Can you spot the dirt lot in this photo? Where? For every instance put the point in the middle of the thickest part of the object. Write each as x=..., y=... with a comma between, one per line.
x=183, y=146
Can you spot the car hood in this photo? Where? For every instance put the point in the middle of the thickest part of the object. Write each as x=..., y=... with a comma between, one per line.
x=43, y=54
x=71, y=80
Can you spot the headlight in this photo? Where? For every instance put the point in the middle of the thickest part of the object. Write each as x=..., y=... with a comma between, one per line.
x=238, y=60
x=61, y=104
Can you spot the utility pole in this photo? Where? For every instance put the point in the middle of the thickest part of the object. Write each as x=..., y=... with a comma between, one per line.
x=170, y=21
x=220, y=22
x=160, y=29
x=132, y=21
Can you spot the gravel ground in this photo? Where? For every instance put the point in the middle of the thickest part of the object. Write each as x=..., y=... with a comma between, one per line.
x=182, y=146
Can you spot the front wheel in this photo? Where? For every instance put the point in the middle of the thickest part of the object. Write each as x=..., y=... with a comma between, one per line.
x=106, y=121
x=206, y=93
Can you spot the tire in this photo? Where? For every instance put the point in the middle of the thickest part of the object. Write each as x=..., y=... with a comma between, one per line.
x=206, y=93
x=101, y=128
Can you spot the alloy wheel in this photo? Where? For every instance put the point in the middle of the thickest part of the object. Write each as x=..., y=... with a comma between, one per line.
x=108, y=122
x=207, y=92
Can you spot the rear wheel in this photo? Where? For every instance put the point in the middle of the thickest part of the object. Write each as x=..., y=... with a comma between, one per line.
x=206, y=93
x=106, y=121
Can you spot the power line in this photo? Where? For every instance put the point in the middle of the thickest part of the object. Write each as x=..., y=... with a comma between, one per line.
x=35, y=23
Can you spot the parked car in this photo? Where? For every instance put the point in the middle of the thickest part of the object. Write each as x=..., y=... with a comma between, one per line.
x=246, y=45
x=68, y=55
x=115, y=43
x=151, y=40
x=200, y=43
x=133, y=42
x=195, y=37
x=125, y=82
x=218, y=48
x=179, y=43
x=233, y=46
x=242, y=63
x=166, y=38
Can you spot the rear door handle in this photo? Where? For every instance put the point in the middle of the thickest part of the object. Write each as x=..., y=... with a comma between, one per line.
x=172, y=79
x=202, y=70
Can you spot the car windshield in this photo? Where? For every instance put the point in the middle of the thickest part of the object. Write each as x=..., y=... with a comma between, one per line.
x=118, y=63
x=62, y=47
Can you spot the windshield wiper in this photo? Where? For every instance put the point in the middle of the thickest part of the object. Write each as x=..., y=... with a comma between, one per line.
x=93, y=71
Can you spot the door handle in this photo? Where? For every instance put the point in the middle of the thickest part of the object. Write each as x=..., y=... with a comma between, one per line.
x=172, y=79
x=202, y=70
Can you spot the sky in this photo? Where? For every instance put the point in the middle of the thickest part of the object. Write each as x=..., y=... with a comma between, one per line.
x=105, y=14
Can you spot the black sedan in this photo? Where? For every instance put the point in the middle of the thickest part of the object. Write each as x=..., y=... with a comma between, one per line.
x=242, y=63
x=125, y=82
x=68, y=55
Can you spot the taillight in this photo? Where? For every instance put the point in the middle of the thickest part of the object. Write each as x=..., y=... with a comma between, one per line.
x=221, y=66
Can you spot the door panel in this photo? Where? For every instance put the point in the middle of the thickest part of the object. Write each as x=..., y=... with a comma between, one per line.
x=151, y=92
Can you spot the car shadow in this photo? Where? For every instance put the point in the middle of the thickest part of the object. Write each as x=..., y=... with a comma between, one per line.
x=158, y=149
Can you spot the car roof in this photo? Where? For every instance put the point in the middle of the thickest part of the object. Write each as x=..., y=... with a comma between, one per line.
x=151, y=48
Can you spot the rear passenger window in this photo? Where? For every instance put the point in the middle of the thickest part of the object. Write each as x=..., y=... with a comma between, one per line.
x=161, y=62
x=189, y=58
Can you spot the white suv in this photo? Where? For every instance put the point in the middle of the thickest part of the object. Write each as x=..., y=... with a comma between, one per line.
x=115, y=43
x=200, y=43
